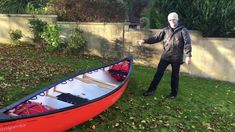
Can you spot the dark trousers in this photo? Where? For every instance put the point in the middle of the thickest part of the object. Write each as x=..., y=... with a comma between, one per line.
x=174, y=76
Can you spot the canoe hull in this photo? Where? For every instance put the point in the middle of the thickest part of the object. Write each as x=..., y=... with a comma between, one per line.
x=64, y=120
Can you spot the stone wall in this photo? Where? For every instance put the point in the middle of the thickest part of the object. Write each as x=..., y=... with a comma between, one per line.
x=20, y=21
x=103, y=39
x=212, y=57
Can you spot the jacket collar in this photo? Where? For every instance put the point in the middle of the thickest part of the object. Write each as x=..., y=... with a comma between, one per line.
x=175, y=30
x=179, y=26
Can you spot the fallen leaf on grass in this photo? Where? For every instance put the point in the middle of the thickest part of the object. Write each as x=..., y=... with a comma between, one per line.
x=1, y=78
x=117, y=124
x=93, y=127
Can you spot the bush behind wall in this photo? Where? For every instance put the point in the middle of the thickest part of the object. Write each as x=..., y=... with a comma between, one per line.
x=214, y=18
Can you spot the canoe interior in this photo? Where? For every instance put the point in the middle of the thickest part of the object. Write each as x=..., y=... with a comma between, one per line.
x=87, y=87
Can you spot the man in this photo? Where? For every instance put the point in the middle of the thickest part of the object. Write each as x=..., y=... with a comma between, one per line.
x=176, y=41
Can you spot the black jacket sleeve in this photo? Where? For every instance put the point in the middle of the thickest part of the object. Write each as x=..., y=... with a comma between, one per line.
x=156, y=38
x=187, y=42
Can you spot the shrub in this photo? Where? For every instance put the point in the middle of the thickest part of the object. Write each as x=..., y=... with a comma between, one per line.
x=211, y=17
x=12, y=6
x=38, y=27
x=23, y=6
x=45, y=34
x=36, y=7
x=88, y=10
x=51, y=35
x=76, y=41
x=15, y=36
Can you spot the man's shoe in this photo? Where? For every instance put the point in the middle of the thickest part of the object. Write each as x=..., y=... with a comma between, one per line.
x=171, y=96
x=148, y=93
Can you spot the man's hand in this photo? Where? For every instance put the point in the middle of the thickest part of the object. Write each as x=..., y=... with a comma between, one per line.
x=188, y=60
x=140, y=42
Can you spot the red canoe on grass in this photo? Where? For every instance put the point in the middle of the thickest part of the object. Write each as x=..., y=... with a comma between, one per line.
x=68, y=102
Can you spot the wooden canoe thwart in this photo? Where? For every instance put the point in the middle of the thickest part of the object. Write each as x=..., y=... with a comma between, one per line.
x=69, y=102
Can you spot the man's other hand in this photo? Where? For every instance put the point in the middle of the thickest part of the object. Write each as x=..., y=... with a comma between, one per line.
x=188, y=60
x=140, y=42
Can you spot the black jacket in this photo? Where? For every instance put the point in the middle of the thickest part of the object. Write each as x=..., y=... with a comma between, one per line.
x=175, y=43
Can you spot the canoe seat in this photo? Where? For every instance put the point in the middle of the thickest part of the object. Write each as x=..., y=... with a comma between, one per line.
x=88, y=79
x=72, y=99
x=62, y=94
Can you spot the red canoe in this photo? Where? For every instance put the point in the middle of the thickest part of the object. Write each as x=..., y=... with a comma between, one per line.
x=67, y=103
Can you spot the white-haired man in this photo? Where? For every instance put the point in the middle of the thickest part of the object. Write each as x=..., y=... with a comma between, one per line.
x=176, y=41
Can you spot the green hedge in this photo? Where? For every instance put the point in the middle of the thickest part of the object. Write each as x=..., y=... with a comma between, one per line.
x=23, y=6
x=214, y=18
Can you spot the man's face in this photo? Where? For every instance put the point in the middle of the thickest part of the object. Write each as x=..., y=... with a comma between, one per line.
x=173, y=23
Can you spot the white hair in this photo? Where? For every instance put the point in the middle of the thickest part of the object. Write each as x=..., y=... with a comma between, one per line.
x=173, y=15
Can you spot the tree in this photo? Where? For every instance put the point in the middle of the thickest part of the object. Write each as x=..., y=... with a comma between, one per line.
x=22, y=6
x=136, y=6
x=211, y=17
x=88, y=10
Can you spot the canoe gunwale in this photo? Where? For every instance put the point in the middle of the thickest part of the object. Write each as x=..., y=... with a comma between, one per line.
x=10, y=118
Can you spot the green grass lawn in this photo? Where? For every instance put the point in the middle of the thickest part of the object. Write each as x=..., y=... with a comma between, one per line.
x=202, y=104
